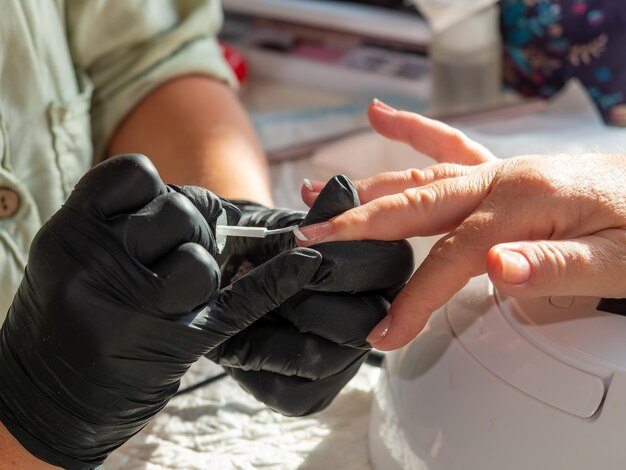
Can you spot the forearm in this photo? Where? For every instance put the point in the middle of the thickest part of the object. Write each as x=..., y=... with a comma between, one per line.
x=196, y=132
x=14, y=457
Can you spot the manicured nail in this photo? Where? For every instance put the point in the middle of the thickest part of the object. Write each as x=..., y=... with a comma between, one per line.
x=313, y=233
x=299, y=235
x=380, y=331
x=307, y=184
x=384, y=106
x=515, y=267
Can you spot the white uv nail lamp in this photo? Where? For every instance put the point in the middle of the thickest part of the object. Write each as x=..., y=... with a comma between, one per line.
x=496, y=383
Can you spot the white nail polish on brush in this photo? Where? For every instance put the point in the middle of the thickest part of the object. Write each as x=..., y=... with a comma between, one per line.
x=299, y=235
x=254, y=232
x=224, y=231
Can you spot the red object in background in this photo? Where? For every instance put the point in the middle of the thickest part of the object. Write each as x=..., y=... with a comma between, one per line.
x=236, y=61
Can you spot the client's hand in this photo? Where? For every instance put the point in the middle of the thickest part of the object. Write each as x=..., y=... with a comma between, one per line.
x=298, y=358
x=118, y=300
x=547, y=225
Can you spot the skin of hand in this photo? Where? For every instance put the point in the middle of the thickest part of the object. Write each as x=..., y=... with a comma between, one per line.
x=539, y=225
x=196, y=132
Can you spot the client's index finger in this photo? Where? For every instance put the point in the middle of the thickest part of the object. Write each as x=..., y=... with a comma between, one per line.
x=428, y=210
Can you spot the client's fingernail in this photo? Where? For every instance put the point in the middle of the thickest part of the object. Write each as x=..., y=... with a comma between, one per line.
x=307, y=184
x=299, y=235
x=383, y=106
x=380, y=331
x=313, y=233
x=515, y=267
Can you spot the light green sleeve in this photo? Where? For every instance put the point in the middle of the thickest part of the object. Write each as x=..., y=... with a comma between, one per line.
x=129, y=47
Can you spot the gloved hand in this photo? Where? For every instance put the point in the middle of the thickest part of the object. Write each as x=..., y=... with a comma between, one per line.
x=118, y=300
x=298, y=358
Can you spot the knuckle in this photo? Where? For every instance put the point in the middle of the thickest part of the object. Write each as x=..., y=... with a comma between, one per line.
x=364, y=186
x=415, y=176
x=180, y=207
x=200, y=256
x=139, y=171
x=423, y=200
x=443, y=170
x=529, y=176
x=457, y=139
x=445, y=251
x=411, y=295
x=550, y=264
x=139, y=164
x=462, y=250
x=118, y=185
x=357, y=217
x=538, y=180
x=369, y=186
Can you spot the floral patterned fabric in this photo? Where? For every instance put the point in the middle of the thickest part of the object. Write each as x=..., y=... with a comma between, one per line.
x=547, y=42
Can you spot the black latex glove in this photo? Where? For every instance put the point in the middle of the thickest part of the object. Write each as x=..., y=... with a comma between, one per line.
x=113, y=310
x=298, y=358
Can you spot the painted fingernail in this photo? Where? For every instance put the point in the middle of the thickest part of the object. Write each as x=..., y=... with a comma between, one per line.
x=515, y=267
x=299, y=235
x=313, y=233
x=307, y=184
x=380, y=331
x=383, y=106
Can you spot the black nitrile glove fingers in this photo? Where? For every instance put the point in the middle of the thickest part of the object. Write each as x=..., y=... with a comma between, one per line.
x=342, y=319
x=297, y=359
x=295, y=396
x=99, y=335
x=126, y=183
x=190, y=278
x=338, y=196
x=119, y=185
x=262, y=290
x=163, y=224
x=208, y=204
x=362, y=266
x=283, y=350
x=357, y=266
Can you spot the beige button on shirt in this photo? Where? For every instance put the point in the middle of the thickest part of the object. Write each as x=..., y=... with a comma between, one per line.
x=70, y=70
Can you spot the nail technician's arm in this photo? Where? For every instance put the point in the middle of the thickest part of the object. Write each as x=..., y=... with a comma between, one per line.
x=196, y=132
x=539, y=225
x=162, y=88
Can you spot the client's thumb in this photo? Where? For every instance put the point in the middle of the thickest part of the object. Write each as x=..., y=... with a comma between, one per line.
x=588, y=265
